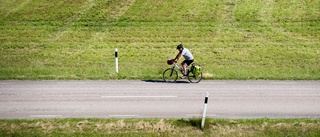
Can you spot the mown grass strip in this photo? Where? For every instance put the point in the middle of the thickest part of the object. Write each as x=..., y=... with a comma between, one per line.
x=160, y=127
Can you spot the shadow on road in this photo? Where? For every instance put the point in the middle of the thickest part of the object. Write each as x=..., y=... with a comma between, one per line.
x=161, y=81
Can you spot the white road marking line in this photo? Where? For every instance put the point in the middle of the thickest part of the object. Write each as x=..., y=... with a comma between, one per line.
x=123, y=115
x=200, y=115
x=46, y=116
x=139, y=96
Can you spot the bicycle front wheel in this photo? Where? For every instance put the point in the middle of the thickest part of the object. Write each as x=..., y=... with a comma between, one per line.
x=170, y=75
x=195, y=78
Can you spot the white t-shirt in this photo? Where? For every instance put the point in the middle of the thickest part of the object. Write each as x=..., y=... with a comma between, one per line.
x=186, y=54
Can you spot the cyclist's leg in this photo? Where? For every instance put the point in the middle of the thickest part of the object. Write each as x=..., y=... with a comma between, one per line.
x=189, y=62
x=184, y=66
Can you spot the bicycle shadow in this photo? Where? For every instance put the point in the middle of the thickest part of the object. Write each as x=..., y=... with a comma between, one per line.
x=161, y=81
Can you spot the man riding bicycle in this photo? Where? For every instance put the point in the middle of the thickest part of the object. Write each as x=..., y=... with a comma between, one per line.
x=187, y=56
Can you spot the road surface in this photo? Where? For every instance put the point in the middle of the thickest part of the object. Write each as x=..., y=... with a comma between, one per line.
x=152, y=98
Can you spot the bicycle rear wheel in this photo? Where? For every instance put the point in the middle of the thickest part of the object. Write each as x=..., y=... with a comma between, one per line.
x=195, y=78
x=170, y=75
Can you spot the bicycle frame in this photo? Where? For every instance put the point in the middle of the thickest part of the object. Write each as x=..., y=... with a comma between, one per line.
x=175, y=65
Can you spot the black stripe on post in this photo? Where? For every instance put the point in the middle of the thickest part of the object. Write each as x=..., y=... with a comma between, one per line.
x=116, y=54
x=206, y=100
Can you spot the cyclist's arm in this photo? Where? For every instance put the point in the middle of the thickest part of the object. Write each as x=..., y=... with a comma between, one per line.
x=177, y=57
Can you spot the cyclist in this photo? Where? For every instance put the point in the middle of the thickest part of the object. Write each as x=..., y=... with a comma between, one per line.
x=187, y=56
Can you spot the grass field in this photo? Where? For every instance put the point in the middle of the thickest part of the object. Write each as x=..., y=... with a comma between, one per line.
x=160, y=127
x=231, y=39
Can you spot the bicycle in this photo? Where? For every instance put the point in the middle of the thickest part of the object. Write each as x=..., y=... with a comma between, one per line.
x=170, y=75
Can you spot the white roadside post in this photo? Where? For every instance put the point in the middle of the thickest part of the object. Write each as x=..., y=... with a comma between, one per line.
x=204, y=110
x=116, y=56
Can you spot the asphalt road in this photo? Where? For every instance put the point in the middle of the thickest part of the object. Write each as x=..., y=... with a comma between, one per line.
x=151, y=98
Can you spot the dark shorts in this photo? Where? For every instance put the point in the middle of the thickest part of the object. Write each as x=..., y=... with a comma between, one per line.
x=187, y=61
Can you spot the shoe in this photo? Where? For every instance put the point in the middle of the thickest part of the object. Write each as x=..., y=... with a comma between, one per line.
x=183, y=77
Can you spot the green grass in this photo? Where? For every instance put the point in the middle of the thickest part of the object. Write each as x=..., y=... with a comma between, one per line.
x=245, y=39
x=160, y=127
